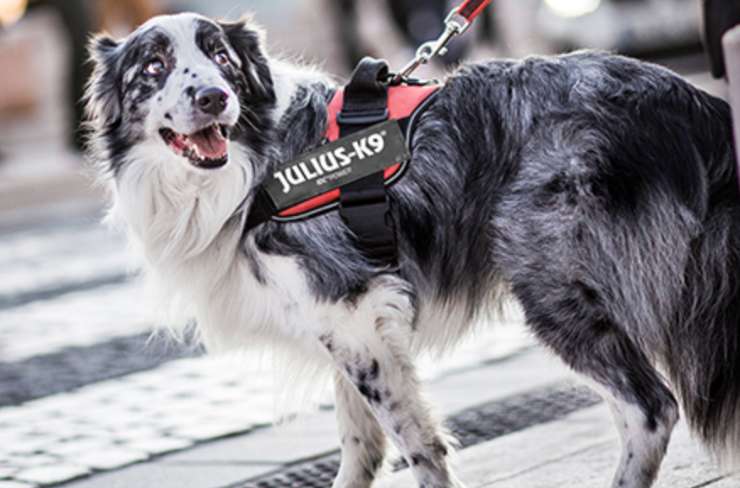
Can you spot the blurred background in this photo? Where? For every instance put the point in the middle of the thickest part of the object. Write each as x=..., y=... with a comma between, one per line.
x=43, y=59
x=77, y=371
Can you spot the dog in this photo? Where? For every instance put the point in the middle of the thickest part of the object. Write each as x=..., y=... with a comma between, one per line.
x=599, y=191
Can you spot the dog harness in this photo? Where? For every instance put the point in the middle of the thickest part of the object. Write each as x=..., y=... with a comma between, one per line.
x=365, y=150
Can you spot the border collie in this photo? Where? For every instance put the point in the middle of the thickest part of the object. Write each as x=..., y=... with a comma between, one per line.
x=599, y=191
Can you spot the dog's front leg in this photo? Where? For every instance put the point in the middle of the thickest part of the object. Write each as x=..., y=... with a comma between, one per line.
x=370, y=347
x=363, y=441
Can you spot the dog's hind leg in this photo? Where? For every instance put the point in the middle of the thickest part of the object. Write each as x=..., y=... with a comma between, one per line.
x=644, y=409
x=362, y=439
x=370, y=348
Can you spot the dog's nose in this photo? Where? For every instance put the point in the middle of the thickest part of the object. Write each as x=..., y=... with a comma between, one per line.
x=211, y=101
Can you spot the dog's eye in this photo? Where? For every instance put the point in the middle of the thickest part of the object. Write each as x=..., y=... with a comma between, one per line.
x=221, y=57
x=154, y=67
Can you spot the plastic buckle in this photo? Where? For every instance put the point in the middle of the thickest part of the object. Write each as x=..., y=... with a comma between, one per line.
x=365, y=117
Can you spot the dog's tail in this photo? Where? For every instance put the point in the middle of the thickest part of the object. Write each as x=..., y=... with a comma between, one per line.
x=704, y=354
x=703, y=346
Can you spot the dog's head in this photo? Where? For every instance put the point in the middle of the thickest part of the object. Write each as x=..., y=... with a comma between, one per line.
x=183, y=85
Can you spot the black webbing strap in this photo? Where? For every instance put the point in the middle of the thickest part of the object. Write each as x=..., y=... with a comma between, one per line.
x=261, y=210
x=363, y=204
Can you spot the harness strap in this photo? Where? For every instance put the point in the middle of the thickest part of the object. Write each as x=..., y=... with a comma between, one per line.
x=363, y=204
x=261, y=211
x=365, y=97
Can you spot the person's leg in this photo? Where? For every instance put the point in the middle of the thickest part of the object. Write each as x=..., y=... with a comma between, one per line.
x=488, y=27
x=77, y=21
x=345, y=12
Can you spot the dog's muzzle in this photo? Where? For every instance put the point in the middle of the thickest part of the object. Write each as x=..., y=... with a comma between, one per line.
x=206, y=148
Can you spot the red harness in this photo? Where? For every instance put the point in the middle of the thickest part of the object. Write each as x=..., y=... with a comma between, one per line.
x=376, y=105
x=403, y=102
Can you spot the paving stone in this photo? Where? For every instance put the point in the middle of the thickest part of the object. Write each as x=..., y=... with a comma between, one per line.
x=111, y=458
x=9, y=416
x=78, y=446
x=257, y=417
x=136, y=432
x=304, y=438
x=11, y=435
x=157, y=475
x=46, y=475
x=29, y=444
x=15, y=484
x=7, y=472
x=210, y=430
x=159, y=445
x=31, y=460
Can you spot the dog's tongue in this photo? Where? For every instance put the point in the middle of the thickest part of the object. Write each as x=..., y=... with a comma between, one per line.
x=210, y=143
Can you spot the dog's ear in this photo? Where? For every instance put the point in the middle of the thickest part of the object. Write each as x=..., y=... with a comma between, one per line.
x=102, y=96
x=246, y=40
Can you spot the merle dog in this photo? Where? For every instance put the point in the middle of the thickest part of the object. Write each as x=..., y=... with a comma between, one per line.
x=597, y=190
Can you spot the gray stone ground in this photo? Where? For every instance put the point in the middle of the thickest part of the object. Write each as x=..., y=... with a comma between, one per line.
x=87, y=399
x=579, y=451
x=240, y=458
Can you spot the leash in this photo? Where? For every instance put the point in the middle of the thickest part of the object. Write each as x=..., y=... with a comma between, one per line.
x=457, y=22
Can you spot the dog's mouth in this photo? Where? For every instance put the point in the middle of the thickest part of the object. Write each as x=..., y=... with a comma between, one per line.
x=206, y=148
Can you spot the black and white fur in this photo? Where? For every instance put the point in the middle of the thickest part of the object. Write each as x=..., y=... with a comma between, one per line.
x=600, y=191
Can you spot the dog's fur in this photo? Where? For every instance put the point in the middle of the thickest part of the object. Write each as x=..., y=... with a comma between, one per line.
x=599, y=190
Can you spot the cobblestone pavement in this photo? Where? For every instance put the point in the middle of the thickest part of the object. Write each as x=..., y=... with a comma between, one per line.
x=49, y=260
x=111, y=424
x=69, y=320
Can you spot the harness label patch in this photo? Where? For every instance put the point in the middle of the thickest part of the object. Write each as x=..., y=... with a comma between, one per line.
x=338, y=163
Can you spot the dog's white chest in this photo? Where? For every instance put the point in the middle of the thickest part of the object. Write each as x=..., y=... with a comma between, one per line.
x=279, y=306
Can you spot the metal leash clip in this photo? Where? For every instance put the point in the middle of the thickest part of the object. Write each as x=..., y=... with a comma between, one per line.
x=456, y=23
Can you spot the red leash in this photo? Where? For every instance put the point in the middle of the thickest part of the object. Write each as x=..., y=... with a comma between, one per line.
x=471, y=8
x=456, y=23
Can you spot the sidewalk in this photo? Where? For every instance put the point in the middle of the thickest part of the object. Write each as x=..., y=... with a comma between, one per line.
x=579, y=450
x=222, y=463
